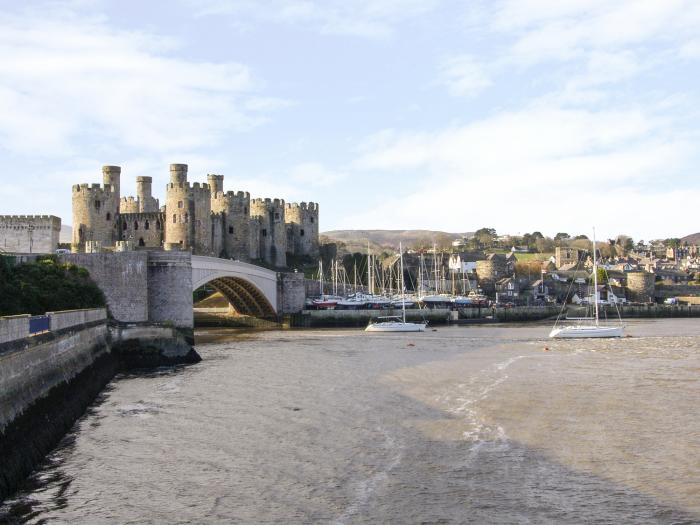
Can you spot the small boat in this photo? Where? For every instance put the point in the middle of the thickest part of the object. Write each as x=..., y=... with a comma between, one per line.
x=325, y=302
x=394, y=324
x=586, y=331
x=594, y=329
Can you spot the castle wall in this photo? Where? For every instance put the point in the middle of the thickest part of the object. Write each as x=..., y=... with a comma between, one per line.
x=201, y=226
x=254, y=240
x=273, y=230
x=128, y=205
x=29, y=233
x=233, y=210
x=142, y=230
x=302, y=229
x=96, y=210
x=196, y=217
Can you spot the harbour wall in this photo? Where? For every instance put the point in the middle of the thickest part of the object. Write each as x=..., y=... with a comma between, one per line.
x=434, y=316
x=52, y=368
x=641, y=311
x=46, y=382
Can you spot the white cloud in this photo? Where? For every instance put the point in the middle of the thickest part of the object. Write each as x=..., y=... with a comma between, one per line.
x=314, y=174
x=532, y=169
x=464, y=76
x=71, y=82
x=363, y=18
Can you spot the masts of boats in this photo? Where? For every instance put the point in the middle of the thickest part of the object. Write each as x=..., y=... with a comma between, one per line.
x=396, y=324
x=581, y=331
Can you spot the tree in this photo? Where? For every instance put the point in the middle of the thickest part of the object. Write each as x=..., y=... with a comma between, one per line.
x=561, y=236
x=579, y=237
x=485, y=236
x=544, y=245
x=537, y=235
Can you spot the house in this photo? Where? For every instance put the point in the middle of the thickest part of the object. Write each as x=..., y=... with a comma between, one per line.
x=673, y=275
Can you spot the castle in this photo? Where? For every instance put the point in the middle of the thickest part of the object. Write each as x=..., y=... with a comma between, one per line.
x=196, y=217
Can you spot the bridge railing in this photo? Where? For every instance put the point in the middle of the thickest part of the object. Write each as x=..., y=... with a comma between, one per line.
x=17, y=327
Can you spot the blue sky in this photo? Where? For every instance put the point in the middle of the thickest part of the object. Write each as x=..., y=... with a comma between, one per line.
x=515, y=114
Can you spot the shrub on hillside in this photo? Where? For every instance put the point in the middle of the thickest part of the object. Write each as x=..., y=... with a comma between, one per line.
x=44, y=286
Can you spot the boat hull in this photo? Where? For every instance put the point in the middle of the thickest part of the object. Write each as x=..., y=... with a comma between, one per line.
x=395, y=327
x=586, y=332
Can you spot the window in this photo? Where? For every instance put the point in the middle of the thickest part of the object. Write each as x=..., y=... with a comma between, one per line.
x=245, y=210
x=141, y=243
x=158, y=225
x=301, y=233
x=136, y=225
x=230, y=229
x=109, y=216
x=187, y=218
x=264, y=232
x=174, y=219
x=312, y=220
x=277, y=216
x=98, y=204
x=147, y=226
x=179, y=204
x=124, y=226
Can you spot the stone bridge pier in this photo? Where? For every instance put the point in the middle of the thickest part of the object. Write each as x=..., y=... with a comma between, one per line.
x=156, y=287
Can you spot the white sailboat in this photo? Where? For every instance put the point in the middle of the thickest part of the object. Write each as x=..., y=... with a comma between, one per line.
x=396, y=323
x=594, y=330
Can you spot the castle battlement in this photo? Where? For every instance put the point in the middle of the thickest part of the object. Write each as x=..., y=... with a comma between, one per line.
x=230, y=195
x=24, y=221
x=197, y=216
x=155, y=215
x=304, y=206
x=268, y=202
x=92, y=188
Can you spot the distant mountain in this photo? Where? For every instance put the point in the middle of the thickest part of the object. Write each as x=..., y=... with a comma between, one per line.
x=66, y=235
x=356, y=240
x=693, y=238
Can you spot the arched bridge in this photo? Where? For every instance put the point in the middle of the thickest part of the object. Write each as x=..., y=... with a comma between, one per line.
x=251, y=290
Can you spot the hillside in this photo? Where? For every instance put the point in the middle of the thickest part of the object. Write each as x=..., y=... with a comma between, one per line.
x=693, y=239
x=356, y=240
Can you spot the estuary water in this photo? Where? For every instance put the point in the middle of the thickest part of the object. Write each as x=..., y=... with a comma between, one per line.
x=477, y=424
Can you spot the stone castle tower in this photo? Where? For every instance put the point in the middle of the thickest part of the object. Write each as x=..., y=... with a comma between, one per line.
x=232, y=218
x=273, y=231
x=201, y=218
x=302, y=229
x=96, y=211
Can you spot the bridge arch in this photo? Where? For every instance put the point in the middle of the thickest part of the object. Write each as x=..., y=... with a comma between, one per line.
x=250, y=289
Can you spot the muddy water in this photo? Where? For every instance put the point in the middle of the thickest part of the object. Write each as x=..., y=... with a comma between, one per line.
x=461, y=425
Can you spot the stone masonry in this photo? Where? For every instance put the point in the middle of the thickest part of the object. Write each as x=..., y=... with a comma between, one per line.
x=200, y=218
x=29, y=233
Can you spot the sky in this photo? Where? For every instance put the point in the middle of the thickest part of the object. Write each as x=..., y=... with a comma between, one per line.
x=519, y=115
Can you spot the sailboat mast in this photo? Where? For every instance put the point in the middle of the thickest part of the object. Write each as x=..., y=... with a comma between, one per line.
x=369, y=270
x=320, y=277
x=435, y=268
x=354, y=271
x=595, y=280
x=403, y=296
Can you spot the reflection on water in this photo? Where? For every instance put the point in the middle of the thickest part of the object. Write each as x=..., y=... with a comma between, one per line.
x=466, y=425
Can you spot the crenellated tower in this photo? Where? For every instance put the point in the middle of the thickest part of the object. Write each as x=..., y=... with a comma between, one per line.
x=144, y=194
x=188, y=223
x=96, y=211
x=302, y=229
x=232, y=210
x=272, y=228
